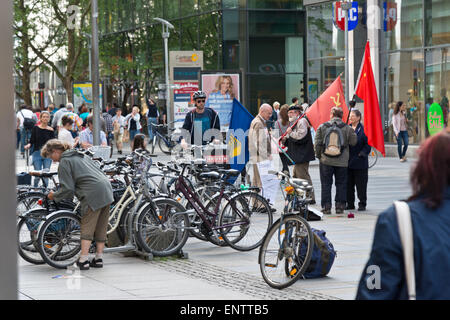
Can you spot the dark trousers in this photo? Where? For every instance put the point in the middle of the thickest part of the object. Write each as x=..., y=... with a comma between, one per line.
x=357, y=178
x=285, y=162
x=326, y=180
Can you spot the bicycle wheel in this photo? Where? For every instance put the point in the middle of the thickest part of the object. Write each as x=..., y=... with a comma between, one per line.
x=165, y=147
x=59, y=239
x=160, y=230
x=286, y=251
x=373, y=157
x=27, y=239
x=27, y=201
x=245, y=220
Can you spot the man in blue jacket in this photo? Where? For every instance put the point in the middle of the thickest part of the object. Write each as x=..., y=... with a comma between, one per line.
x=202, y=123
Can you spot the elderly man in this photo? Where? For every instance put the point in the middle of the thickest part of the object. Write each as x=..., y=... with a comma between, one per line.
x=300, y=145
x=259, y=140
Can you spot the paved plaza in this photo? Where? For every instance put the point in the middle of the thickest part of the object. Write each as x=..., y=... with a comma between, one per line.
x=221, y=273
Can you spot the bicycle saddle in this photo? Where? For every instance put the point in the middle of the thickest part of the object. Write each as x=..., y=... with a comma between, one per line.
x=300, y=182
x=230, y=172
x=42, y=174
x=209, y=175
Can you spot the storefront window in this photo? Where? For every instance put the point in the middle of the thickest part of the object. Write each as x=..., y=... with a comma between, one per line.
x=437, y=14
x=405, y=29
x=438, y=78
x=405, y=82
x=275, y=4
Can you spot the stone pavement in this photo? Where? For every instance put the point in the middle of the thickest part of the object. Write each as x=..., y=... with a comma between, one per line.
x=216, y=273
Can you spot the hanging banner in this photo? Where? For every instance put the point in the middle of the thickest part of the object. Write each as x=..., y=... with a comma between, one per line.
x=339, y=16
x=390, y=15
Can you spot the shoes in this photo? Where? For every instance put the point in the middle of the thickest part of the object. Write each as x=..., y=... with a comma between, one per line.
x=312, y=202
x=339, y=210
x=272, y=209
x=402, y=159
x=326, y=211
x=362, y=209
x=96, y=263
x=83, y=265
x=119, y=151
x=350, y=207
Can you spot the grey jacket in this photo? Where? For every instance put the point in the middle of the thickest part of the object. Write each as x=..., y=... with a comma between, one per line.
x=350, y=138
x=80, y=176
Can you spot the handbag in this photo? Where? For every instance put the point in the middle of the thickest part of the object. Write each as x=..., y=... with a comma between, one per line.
x=126, y=135
x=406, y=236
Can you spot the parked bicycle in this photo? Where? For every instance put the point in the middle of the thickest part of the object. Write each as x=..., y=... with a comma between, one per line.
x=287, y=247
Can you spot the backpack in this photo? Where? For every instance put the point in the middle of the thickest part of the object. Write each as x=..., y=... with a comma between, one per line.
x=333, y=139
x=28, y=123
x=322, y=257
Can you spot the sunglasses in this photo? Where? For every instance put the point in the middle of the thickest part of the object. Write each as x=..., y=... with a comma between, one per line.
x=200, y=100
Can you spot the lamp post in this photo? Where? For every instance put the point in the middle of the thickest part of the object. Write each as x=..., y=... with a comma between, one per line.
x=165, y=35
x=95, y=74
x=346, y=6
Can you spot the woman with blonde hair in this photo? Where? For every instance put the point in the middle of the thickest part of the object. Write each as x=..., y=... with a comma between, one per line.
x=79, y=175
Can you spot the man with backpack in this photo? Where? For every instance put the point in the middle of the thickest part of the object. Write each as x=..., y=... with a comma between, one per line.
x=26, y=121
x=332, y=142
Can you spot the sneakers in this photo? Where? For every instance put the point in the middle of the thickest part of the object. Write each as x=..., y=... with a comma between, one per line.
x=362, y=209
x=326, y=210
x=96, y=263
x=339, y=210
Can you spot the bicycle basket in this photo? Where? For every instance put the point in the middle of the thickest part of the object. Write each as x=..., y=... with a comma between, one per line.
x=101, y=152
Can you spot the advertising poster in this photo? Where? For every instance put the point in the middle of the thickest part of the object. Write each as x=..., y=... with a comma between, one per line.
x=221, y=89
x=82, y=92
x=183, y=100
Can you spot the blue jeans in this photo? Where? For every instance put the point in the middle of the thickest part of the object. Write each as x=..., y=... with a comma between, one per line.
x=25, y=136
x=151, y=131
x=402, y=136
x=133, y=133
x=40, y=163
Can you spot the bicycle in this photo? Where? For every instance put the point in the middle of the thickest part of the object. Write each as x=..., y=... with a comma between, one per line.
x=287, y=247
x=373, y=157
x=228, y=217
x=164, y=142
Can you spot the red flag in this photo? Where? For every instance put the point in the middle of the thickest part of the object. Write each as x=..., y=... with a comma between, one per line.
x=319, y=112
x=367, y=91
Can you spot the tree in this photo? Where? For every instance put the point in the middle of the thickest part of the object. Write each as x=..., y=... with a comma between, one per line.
x=74, y=42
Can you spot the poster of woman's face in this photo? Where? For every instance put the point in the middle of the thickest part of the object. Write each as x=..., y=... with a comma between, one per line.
x=220, y=91
x=226, y=85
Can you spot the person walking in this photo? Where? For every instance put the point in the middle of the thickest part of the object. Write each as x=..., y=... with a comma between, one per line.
x=58, y=115
x=400, y=126
x=152, y=118
x=429, y=207
x=200, y=120
x=64, y=133
x=39, y=136
x=108, y=127
x=259, y=140
x=133, y=123
x=119, y=125
x=358, y=165
x=281, y=126
x=300, y=146
x=79, y=175
x=26, y=121
x=331, y=147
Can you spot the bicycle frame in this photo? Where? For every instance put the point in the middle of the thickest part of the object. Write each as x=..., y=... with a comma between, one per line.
x=128, y=196
x=192, y=198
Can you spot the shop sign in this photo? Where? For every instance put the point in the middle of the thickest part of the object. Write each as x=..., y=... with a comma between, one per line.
x=339, y=16
x=390, y=15
x=435, y=119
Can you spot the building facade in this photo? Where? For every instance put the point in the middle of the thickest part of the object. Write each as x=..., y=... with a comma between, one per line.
x=265, y=40
x=410, y=43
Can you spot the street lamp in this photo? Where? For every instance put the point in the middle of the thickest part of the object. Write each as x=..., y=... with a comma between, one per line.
x=166, y=25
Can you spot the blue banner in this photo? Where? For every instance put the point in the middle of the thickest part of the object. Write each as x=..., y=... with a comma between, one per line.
x=237, y=136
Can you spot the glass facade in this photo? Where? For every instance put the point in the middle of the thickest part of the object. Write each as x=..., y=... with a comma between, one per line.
x=414, y=43
x=262, y=39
